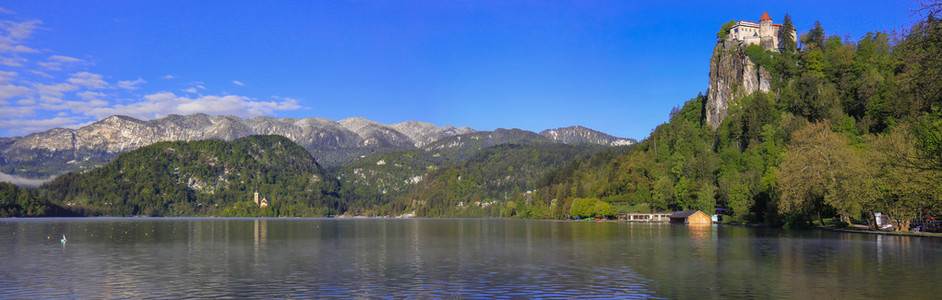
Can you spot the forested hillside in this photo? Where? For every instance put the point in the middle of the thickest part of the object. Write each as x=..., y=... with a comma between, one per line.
x=371, y=182
x=209, y=177
x=497, y=181
x=850, y=127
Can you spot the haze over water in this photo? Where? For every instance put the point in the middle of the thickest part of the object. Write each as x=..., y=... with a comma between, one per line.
x=146, y=258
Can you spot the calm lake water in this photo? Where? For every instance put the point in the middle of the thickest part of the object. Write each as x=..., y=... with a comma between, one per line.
x=448, y=258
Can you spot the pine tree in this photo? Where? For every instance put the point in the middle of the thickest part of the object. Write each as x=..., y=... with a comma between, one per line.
x=814, y=36
x=788, y=30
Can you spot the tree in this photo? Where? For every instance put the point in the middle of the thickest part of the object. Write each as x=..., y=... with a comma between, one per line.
x=724, y=30
x=820, y=170
x=921, y=52
x=905, y=192
x=591, y=207
x=815, y=36
x=927, y=132
x=785, y=35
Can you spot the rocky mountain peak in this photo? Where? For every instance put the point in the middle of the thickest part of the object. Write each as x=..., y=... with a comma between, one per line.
x=331, y=143
x=583, y=135
x=423, y=133
x=376, y=134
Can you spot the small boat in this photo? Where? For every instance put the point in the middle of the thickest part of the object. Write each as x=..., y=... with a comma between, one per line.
x=63, y=239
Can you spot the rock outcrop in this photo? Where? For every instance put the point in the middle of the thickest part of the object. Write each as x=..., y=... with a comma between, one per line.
x=582, y=135
x=425, y=133
x=732, y=76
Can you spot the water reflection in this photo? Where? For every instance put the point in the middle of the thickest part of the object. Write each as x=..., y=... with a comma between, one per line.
x=292, y=258
x=261, y=235
x=700, y=238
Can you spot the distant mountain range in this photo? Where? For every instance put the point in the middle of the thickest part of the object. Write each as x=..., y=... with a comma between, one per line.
x=332, y=143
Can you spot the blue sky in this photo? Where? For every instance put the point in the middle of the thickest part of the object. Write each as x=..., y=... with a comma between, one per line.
x=614, y=66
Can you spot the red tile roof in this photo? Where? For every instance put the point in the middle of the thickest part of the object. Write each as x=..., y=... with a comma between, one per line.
x=765, y=16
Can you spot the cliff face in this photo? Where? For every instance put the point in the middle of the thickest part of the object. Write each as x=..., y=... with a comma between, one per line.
x=732, y=76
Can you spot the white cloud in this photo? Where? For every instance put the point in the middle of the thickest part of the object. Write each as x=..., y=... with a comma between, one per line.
x=162, y=104
x=6, y=77
x=40, y=73
x=13, y=33
x=73, y=107
x=12, y=61
x=131, y=84
x=53, y=93
x=9, y=91
x=88, y=80
x=15, y=112
x=65, y=59
x=89, y=95
x=30, y=126
x=83, y=95
x=5, y=11
x=57, y=62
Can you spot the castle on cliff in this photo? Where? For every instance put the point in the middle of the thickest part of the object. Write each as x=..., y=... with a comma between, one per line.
x=764, y=33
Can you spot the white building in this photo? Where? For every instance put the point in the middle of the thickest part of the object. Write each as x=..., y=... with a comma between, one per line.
x=764, y=33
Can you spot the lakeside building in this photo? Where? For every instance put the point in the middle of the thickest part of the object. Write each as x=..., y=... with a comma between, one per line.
x=632, y=217
x=691, y=217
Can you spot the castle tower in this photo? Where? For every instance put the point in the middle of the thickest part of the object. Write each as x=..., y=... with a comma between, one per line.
x=256, y=198
x=766, y=33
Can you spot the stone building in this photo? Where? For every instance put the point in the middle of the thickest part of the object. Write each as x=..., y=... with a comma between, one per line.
x=764, y=33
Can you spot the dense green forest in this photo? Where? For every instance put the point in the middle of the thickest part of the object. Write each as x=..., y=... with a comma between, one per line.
x=218, y=178
x=371, y=182
x=210, y=177
x=850, y=128
x=496, y=182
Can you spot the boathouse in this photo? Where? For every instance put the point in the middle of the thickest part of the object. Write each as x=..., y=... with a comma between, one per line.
x=690, y=217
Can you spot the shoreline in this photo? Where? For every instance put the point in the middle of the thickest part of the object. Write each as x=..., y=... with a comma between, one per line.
x=826, y=228
x=895, y=233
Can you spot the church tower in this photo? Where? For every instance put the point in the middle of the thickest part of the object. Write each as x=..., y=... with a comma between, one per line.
x=766, y=33
x=256, y=198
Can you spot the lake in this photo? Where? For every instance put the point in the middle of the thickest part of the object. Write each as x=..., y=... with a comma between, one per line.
x=449, y=258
